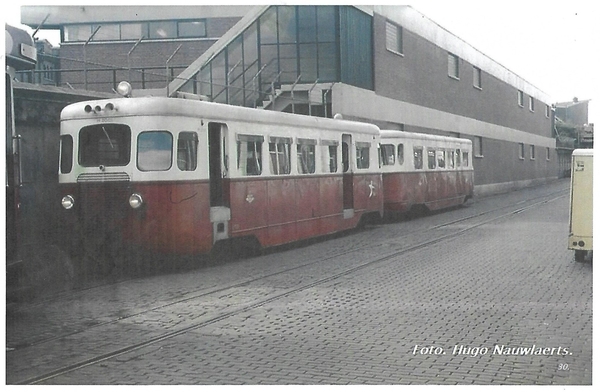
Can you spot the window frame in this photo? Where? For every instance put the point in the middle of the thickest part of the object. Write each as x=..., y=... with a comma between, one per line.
x=418, y=157
x=531, y=104
x=520, y=98
x=137, y=151
x=522, y=151
x=190, y=149
x=398, y=42
x=384, y=155
x=256, y=158
x=306, y=148
x=453, y=66
x=477, y=78
x=363, y=155
x=280, y=160
x=478, y=147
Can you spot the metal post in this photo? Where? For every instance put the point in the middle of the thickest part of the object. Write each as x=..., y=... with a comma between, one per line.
x=128, y=57
x=292, y=93
x=254, y=82
x=325, y=98
x=85, y=56
x=167, y=65
x=309, y=100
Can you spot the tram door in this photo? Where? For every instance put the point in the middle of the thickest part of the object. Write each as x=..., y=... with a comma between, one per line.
x=220, y=213
x=347, y=178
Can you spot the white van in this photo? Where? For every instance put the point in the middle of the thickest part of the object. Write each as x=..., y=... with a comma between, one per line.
x=580, y=217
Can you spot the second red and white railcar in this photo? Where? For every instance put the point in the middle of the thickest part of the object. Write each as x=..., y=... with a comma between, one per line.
x=177, y=176
x=424, y=171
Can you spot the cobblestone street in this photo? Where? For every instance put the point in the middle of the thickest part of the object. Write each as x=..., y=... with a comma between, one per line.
x=500, y=302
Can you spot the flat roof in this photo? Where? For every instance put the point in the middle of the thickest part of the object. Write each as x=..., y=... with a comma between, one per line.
x=61, y=15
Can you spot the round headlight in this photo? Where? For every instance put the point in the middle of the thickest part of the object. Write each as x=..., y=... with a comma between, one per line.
x=124, y=89
x=136, y=201
x=67, y=202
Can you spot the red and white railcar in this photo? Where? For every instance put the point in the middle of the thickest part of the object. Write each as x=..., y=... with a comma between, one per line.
x=424, y=171
x=177, y=176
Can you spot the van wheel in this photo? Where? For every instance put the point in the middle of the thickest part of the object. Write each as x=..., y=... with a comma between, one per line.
x=580, y=255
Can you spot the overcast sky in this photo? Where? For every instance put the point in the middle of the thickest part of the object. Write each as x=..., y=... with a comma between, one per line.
x=551, y=44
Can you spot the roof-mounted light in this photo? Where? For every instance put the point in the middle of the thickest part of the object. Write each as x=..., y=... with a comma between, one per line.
x=124, y=89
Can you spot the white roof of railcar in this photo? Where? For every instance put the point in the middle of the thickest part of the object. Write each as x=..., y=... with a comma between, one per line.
x=162, y=106
x=395, y=134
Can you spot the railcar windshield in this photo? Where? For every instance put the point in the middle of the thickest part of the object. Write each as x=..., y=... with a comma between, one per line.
x=105, y=144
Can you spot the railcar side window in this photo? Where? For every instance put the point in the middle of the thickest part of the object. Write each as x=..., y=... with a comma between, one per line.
x=66, y=154
x=388, y=156
x=155, y=151
x=306, y=156
x=431, y=158
x=279, y=150
x=401, y=154
x=187, y=151
x=457, y=158
x=418, y=152
x=329, y=154
x=333, y=163
x=362, y=155
x=249, y=155
x=441, y=158
x=104, y=144
x=465, y=159
x=450, y=161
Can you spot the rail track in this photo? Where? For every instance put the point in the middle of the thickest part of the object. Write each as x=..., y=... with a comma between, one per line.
x=390, y=240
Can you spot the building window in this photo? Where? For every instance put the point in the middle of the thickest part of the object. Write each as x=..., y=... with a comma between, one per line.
x=547, y=153
x=521, y=151
x=520, y=98
x=107, y=32
x=531, y=104
x=78, y=32
x=547, y=110
x=477, y=78
x=478, y=147
x=452, y=65
x=162, y=30
x=131, y=31
x=196, y=28
x=532, y=152
x=393, y=37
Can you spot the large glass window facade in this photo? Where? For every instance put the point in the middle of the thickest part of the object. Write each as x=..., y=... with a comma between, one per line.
x=287, y=44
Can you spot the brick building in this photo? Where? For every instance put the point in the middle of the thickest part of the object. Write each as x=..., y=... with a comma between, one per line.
x=103, y=45
x=389, y=65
